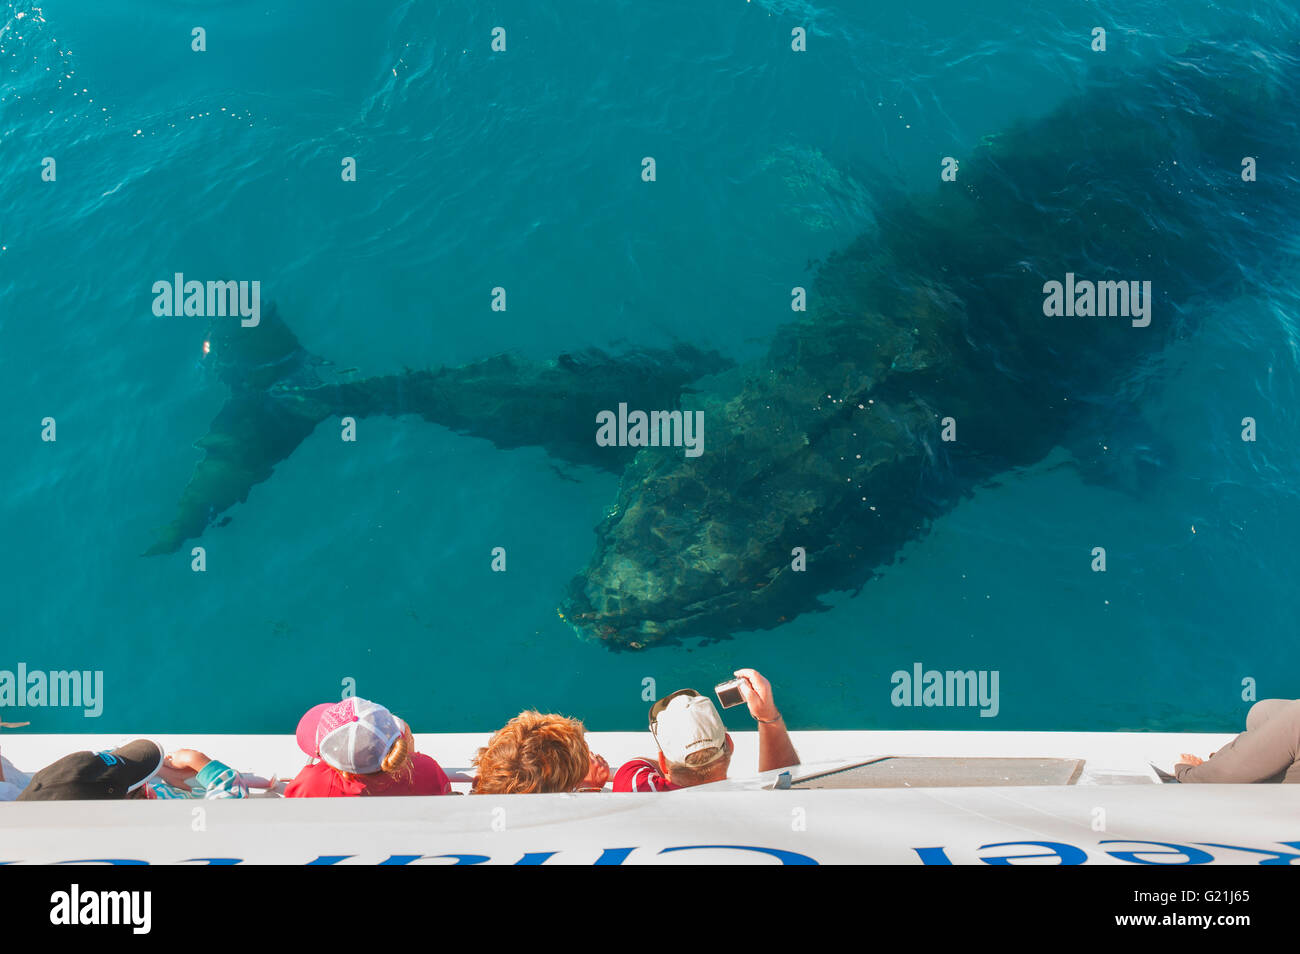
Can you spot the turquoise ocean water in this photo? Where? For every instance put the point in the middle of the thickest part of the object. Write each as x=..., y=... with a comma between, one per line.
x=522, y=170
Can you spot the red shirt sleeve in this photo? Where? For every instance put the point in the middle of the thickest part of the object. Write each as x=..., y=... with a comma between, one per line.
x=641, y=775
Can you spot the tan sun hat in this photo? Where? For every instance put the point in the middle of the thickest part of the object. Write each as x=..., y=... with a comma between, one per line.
x=685, y=723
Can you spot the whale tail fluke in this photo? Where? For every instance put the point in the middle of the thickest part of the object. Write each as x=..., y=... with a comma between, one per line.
x=269, y=413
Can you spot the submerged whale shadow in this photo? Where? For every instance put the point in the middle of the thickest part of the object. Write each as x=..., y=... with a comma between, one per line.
x=833, y=441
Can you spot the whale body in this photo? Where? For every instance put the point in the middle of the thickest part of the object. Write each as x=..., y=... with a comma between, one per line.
x=833, y=441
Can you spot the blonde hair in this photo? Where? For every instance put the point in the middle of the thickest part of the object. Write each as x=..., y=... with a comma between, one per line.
x=398, y=760
x=400, y=753
x=533, y=753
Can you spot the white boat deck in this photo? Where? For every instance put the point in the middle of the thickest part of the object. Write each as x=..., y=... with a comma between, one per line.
x=1109, y=757
x=1113, y=812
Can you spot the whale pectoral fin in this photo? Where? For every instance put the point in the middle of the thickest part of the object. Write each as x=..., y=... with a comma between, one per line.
x=278, y=398
x=247, y=438
x=514, y=401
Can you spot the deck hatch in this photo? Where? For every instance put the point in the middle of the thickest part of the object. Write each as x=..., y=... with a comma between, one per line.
x=937, y=772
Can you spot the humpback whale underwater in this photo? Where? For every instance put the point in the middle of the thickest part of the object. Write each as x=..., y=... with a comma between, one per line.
x=938, y=319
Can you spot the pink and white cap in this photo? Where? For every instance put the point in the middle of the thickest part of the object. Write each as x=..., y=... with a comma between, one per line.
x=352, y=736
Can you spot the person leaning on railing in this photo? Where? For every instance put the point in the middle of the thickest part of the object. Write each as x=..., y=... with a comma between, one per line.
x=695, y=747
x=138, y=769
x=359, y=748
x=1268, y=751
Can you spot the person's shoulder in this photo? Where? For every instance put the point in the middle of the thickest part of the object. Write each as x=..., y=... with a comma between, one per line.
x=316, y=780
x=313, y=770
x=219, y=780
x=641, y=775
x=429, y=776
x=213, y=772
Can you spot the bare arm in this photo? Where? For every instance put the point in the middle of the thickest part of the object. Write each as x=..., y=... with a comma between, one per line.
x=775, y=750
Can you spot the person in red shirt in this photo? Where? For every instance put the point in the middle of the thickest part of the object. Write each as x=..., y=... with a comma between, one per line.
x=363, y=749
x=694, y=746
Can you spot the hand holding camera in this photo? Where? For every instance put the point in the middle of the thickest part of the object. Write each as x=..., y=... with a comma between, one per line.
x=749, y=686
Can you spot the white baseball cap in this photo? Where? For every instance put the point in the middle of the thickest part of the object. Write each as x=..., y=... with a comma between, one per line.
x=685, y=723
